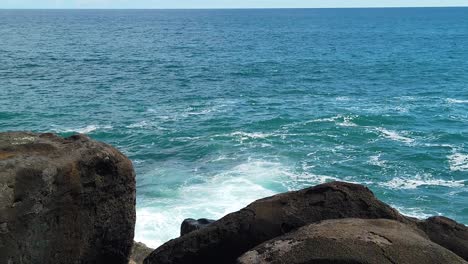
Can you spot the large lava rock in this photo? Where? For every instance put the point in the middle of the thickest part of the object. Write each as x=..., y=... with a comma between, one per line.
x=350, y=240
x=190, y=225
x=66, y=200
x=228, y=238
x=447, y=233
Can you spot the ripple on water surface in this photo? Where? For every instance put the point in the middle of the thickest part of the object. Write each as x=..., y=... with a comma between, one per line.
x=219, y=108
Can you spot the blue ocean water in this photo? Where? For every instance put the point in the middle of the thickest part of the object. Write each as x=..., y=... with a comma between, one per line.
x=217, y=108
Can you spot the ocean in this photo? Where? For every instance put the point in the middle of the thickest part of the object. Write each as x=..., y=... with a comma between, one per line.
x=217, y=108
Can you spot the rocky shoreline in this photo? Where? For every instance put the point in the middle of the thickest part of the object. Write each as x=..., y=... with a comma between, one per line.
x=72, y=200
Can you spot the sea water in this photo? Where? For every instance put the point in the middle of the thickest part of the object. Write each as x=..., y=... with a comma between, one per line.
x=217, y=108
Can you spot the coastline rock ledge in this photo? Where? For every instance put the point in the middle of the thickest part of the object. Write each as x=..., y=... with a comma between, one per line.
x=64, y=200
x=72, y=201
x=331, y=223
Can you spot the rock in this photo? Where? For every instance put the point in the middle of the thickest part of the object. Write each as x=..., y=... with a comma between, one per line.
x=139, y=252
x=226, y=239
x=64, y=200
x=371, y=241
x=447, y=233
x=189, y=225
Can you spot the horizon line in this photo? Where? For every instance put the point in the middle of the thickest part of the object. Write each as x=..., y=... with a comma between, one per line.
x=236, y=8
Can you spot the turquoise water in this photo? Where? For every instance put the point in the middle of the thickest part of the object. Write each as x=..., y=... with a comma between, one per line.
x=219, y=108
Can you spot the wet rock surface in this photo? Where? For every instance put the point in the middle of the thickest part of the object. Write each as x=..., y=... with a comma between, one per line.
x=189, y=225
x=64, y=200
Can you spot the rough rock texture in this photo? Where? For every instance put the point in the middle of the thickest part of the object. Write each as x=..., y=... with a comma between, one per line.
x=66, y=200
x=139, y=252
x=226, y=239
x=189, y=225
x=352, y=241
x=447, y=233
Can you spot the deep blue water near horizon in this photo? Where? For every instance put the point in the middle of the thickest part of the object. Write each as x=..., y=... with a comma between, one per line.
x=217, y=108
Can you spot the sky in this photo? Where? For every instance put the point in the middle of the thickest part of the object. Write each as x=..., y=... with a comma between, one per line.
x=224, y=3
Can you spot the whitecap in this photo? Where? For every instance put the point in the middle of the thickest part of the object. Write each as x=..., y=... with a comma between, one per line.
x=342, y=98
x=347, y=122
x=418, y=181
x=138, y=161
x=203, y=111
x=394, y=135
x=184, y=139
x=325, y=119
x=408, y=98
x=376, y=161
x=82, y=130
x=401, y=109
x=338, y=119
x=140, y=124
x=253, y=135
x=456, y=101
x=458, y=162
x=439, y=145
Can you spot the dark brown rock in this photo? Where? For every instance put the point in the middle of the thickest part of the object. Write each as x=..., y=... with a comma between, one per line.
x=190, y=225
x=353, y=241
x=66, y=200
x=447, y=233
x=228, y=238
x=139, y=252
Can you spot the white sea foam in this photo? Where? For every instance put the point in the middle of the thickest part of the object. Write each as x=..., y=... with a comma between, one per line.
x=456, y=101
x=408, y=98
x=394, y=135
x=160, y=222
x=401, y=109
x=325, y=119
x=338, y=119
x=159, y=219
x=141, y=124
x=242, y=136
x=347, y=122
x=304, y=180
x=439, y=145
x=413, y=212
x=138, y=161
x=202, y=111
x=253, y=135
x=418, y=181
x=217, y=106
x=342, y=98
x=458, y=162
x=377, y=161
x=221, y=158
x=82, y=130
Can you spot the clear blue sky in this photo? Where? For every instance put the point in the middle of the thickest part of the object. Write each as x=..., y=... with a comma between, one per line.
x=223, y=3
